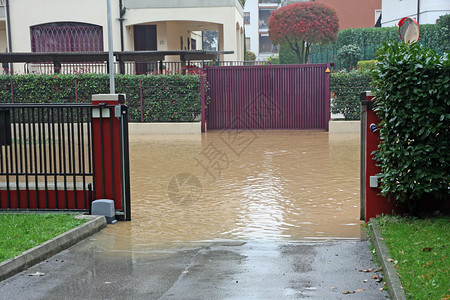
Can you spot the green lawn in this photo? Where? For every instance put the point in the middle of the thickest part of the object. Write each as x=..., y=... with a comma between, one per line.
x=420, y=249
x=20, y=232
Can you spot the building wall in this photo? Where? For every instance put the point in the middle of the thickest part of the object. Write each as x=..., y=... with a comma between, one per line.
x=355, y=13
x=251, y=30
x=26, y=13
x=3, y=41
x=254, y=30
x=173, y=17
x=190, y=19
x=430, y=11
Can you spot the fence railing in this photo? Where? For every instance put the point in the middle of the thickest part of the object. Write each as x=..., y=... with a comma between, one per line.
x=46, y=159
x=132, y=68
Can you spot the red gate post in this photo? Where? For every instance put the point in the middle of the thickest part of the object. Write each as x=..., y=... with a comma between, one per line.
x=372, y=203
x=108, y=152
x=202, y=102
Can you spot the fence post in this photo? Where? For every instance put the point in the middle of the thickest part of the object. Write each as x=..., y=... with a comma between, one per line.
x=12, y=91
x=202, y=102
x=372, y=203
x=140, y=95
x=327, y=96
x=76, y=91
x=111, y=177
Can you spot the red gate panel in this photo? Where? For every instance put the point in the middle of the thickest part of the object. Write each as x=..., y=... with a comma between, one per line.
x=268, y=97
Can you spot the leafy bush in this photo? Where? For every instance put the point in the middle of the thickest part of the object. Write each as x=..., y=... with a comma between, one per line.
x=346, y=88
x=287, y=55
x=166, y=98
x=366, y=64
x=249, y=55
x=368, y=39
x=273, y=60
x=413, y=104
x=349, y=55
x=444, y=33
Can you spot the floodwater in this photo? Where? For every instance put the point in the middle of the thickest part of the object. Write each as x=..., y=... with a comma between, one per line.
x=240, y=185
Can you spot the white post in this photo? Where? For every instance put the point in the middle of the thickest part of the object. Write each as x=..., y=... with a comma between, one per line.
x=110, y=50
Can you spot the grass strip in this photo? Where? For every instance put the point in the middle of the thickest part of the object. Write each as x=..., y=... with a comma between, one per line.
x=420, y=250
x=21, y=232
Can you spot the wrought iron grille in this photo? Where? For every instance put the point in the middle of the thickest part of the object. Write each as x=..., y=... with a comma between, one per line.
x=66, y=37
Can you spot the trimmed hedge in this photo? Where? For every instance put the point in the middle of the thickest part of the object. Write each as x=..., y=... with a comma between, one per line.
x=412, y=88
x=165, y=98
x=369, y=39
x=366, y=64
x=345, y=88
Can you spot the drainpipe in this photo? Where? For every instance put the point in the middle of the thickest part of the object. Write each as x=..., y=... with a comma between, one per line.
x=121, y=19
x=418, y=11
x=8, y=24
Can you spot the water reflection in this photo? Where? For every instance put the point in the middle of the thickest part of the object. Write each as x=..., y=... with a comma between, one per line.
x=283, y=185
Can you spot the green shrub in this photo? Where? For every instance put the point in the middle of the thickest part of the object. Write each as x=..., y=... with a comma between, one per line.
x=166, y=98
x=273, y=60
x=369, y=39
x=366, y=64
x=413, y=104
x=249, y=55
x=349, y=55
x=287, y=55
x=443, y=35
x=346, y=88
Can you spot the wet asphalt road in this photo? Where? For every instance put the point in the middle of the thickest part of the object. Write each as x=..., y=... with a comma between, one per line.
x=220, y=270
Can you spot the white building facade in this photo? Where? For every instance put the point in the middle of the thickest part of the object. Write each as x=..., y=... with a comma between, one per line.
x=256, y=22
x=425, y=11
x=77, y=26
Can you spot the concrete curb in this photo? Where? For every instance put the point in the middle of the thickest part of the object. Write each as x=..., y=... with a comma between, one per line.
x=395, y=288
x=51, y=247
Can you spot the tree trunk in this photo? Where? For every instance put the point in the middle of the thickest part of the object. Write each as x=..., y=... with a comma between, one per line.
x=308, y=50
x=303, y=53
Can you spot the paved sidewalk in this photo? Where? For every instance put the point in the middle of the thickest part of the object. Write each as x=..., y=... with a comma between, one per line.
x=222, y=270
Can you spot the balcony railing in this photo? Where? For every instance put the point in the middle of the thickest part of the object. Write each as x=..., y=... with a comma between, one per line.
x=269, y=1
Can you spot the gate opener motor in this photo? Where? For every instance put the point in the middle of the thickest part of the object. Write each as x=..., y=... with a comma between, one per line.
x=105, y=207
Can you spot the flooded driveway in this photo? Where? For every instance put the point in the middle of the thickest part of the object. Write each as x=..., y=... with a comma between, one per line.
x=241, y=185
x=224, y=216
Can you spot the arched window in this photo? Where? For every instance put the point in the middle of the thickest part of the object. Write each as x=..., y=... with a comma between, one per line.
x=66, y=37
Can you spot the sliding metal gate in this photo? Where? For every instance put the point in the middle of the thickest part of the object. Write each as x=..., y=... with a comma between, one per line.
x=48, y=159
x=268, y=97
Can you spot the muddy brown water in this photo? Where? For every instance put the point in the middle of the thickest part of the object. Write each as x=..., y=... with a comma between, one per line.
x=240, y=185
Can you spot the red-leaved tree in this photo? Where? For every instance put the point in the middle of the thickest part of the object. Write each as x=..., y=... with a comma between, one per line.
x=301, y=24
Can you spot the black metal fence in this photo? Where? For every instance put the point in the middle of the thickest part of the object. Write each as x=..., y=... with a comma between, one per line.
x=46, y=156
x=132, y=68
x=62, y=156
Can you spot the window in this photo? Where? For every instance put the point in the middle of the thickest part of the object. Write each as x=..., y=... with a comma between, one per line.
x=265, y=45
x=66, y=37
x=264, y=15
x=210, y=40
x=247, y=43
x=246, y=18
x=378, y=17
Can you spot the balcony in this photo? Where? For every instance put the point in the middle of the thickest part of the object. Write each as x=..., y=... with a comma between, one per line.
x=270, y=2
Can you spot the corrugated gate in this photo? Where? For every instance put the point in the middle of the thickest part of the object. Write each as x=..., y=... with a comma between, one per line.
x=268, y=97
